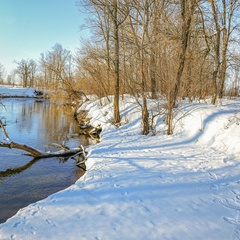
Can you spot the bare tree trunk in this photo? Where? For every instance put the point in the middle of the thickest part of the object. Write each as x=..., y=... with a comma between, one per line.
x=186, y=24
x=223, y=74
x=214, y=81
x=153, y=74
x=117, y=117
x=217, y=52
x=139, y=42
x=145, y=114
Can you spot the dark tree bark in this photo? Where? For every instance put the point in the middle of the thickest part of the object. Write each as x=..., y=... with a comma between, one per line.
x=117, y=117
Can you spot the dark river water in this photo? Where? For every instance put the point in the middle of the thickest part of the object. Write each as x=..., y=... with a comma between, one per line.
x=24, y=180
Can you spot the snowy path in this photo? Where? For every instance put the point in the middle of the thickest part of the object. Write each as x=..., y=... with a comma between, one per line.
x=140, y=188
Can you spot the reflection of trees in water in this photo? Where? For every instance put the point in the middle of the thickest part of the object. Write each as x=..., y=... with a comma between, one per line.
x=25, y=115
x=57, y=123
x=19, y=112
x=53, y=119
x=40, y=122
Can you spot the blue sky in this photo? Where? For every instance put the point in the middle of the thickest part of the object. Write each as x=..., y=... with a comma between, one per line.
x=30, y=27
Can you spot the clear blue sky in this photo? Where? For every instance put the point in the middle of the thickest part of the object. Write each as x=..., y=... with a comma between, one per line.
x=30, y=27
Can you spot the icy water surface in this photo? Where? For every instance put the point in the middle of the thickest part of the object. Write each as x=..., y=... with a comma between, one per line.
x=24, y=180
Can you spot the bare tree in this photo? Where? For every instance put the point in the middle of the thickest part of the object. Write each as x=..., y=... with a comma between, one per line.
x=23, y=71
x=33, y=70
x=230, y=17
x=216, y=49
x=26, y=70
x=9, y=80
x=173, y=48
x=2, y=73
x=116, y=12
x=93, y=67
x=187, y=10
x=224, y=15
x=57, y=64
x=59, y=75
x=139, y=20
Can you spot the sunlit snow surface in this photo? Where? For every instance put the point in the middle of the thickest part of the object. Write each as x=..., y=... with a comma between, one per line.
x=16, y=92
x=184, y=186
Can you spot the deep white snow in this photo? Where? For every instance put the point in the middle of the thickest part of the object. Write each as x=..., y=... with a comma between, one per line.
x=183, y=186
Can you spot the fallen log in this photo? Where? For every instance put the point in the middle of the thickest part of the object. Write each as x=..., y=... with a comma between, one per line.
x=64, y=152
x=32, y=151
x=39, y=154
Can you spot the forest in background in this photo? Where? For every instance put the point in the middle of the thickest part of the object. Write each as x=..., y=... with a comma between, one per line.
x=168, y=49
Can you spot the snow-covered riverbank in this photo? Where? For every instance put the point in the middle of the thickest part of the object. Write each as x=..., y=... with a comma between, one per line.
x=6, y=91
x=184, y=186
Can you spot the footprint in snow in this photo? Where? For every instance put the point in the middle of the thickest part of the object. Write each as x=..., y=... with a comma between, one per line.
x=12, y=237
x=234, y=221
x=51, y=223
x=34, y=213
x=116, y=185
x=16, y=224
x=229, y=158
x=213, y=176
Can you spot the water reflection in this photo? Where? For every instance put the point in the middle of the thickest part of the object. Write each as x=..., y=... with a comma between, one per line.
x=17, y=170
x=24, y=180
x=37, y=118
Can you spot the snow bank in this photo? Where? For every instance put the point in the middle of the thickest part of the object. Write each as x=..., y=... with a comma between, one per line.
x=16, y=92
x=202, y=123
x=215, y=126
x=182, y=186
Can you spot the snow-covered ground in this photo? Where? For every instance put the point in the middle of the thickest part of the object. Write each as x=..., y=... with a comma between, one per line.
x=7, y=91
x=183, y=186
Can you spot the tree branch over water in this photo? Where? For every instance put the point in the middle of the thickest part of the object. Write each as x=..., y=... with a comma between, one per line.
x=64, y=152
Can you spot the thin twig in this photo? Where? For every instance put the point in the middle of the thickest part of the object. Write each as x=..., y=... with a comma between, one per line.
x=4, y=130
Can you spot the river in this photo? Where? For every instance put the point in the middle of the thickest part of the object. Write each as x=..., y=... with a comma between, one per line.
x=24, y=180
